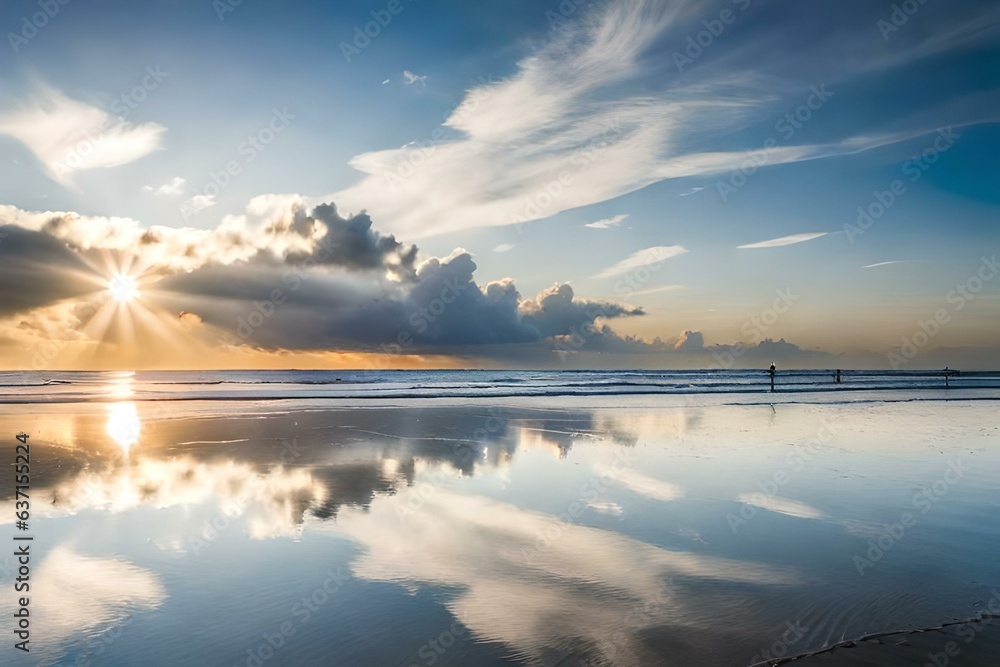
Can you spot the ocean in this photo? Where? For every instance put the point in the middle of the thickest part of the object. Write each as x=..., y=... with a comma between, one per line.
x=62, y=386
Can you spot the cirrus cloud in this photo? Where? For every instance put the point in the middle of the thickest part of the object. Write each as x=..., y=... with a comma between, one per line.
x=641, y=258
x=784, y=240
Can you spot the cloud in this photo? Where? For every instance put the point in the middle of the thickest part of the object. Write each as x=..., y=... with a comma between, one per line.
x=785, y=240
x=68, y=136
x=199, y=202
x=504, y=247
x=578, y=123
x=348, y=242
x=173, y=188
x=691, y=191
x=640, y=259
x=895, y=261
x=344, y=285
x=608, y=222
x=556, y=311
x=690, y=340
x=340, y=285
x=655, y=290
x=409, y=78
x=36, y=259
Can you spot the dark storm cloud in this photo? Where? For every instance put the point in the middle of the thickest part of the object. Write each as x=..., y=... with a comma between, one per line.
x=441, y=309
x=557, y=312
x=315, y=280
x=690, y=340
x=37, y=270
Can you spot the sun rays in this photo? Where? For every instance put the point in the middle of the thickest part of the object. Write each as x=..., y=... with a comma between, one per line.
x=123, y=288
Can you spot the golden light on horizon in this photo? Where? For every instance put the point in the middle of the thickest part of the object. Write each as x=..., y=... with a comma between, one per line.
x=123, y=288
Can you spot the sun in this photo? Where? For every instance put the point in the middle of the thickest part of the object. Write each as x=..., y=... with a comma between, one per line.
x=123, y=288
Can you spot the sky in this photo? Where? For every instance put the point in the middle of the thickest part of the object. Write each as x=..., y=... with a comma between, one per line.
x=407, y=183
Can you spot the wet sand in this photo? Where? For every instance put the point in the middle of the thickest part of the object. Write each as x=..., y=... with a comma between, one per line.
x=557, y=532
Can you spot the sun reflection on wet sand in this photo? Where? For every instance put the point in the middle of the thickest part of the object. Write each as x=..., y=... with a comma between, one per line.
x=123, y=425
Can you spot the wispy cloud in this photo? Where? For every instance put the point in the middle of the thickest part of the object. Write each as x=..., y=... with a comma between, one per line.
x=642, y=258
x=895, y=261
x=575, y=125
x=68, y=136
x=409, y=78
x=656, y=290
x=785, y=240
x=607, y=223
x=692, y=191
x=504, y=247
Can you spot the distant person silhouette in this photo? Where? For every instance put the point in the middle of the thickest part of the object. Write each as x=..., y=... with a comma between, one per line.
x=838, y=376
x=772, y=371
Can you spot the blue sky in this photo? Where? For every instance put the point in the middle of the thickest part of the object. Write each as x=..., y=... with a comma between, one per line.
x=674, y=121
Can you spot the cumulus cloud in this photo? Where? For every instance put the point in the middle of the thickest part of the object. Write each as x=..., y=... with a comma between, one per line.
x=785, y=240
x=27, y=257
x=68, y=136
x=690, y=340
x=556, y=311
x=198, y=203
x=343, y=284
x=642, y=258
x=608, y=222
x=172, y=188
x=286, y=277
x=351, y=242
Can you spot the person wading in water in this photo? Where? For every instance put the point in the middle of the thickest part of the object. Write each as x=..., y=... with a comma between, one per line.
x=772, y=370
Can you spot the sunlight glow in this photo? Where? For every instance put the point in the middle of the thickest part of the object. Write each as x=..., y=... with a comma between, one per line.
x=123, y=425
x=123, y=288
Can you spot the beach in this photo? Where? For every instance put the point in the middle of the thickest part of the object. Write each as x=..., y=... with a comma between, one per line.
x=714, y=529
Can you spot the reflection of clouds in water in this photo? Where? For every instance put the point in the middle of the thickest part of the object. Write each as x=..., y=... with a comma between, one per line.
x=532, y=582
x=74, y=595
x=272, y=502
x=781, y=505
x=628, y=427
x=606, y=507
x=557, y=442
x=642, y=484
